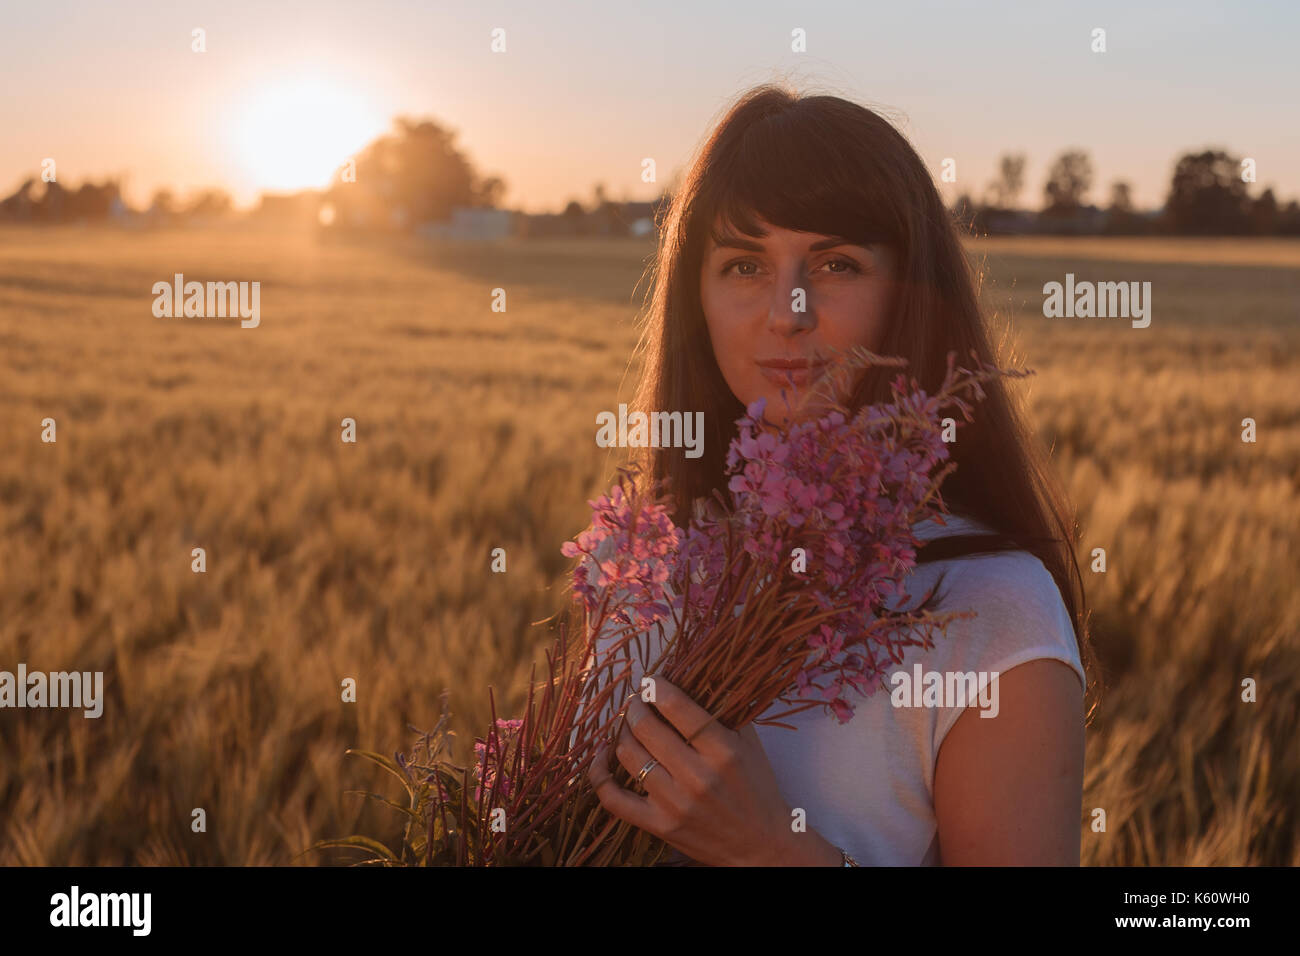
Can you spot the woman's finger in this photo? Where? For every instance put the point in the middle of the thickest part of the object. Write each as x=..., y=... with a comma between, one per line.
x=695, y=724
x=634, y=757
x=662, y=742
x=622, y=803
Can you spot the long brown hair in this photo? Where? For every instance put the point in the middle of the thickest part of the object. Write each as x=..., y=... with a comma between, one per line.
x=819, y=163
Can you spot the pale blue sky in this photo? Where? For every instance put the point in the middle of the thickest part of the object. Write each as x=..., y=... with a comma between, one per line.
x=586, y=90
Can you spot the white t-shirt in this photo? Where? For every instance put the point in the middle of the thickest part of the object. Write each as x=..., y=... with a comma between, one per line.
x=868, y=785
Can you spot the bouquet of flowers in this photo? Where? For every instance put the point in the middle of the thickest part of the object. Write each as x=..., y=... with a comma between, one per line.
x=783, y=595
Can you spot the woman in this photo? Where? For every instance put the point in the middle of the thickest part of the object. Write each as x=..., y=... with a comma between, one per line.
x=805, y=226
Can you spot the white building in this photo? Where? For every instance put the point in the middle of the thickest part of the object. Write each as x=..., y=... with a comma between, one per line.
x=470, y=223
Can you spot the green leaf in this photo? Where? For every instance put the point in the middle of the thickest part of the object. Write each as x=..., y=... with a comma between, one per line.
x=384, y=800
x=358, y=842
x=385, y=762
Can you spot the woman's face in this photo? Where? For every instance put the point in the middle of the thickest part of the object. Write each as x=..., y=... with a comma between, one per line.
x=766, y=336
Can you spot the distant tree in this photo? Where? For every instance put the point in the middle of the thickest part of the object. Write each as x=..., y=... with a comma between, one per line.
x=19, y=205
x=163, y=202
x=36, y=201
x=575, y=218
x=1002, y=192
x=1121, y=197
x=1264, y=214
x=93, y=201
x=209, y=204
x=51, y=202
x=1068, y=182
x=163, y=209
x=414, y=175
x=607, y=217
x=1288, y=220
x=492, y=191
x=1207, y=195
x=1121, y=218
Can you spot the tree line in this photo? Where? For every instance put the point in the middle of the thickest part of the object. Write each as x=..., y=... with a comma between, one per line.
x=1208, y=194
x=417, y=174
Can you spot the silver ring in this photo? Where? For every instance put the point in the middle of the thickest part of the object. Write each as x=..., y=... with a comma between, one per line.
x=650, y=765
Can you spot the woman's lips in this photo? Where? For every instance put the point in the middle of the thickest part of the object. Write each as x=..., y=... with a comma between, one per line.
x=792, y=375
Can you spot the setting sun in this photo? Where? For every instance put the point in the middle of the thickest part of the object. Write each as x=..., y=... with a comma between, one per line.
x=296, y=134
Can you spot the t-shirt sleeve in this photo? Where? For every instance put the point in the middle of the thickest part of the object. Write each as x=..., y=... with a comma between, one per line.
x=1020, y=617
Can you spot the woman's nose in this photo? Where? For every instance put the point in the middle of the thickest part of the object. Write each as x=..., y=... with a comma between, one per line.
x=790, y=311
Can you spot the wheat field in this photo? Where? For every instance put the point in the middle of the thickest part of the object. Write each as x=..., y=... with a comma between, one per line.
x=370, y=561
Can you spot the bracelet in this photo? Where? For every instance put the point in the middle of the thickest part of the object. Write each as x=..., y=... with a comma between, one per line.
x=848, y=860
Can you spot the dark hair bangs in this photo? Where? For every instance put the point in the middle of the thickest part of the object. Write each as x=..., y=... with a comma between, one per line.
x=780, y=172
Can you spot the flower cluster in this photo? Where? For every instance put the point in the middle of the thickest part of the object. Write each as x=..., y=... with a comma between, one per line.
x=642, y=537
x=843, y=491
x=492, y=757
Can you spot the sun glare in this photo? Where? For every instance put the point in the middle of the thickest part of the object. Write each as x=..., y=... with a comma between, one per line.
x=297, y=134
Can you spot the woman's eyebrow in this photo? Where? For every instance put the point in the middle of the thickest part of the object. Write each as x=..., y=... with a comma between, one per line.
x=731, y=241
x=834, y=241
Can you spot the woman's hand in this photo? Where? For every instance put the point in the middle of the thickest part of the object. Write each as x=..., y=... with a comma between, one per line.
x=715, y=799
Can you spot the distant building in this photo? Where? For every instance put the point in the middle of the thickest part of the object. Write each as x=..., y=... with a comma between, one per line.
x=304, y=206
x=549, y=225
x=643, y=212
x=471, y=223
x=1009, y=222
x=610, y=220
x=992, y=221
x=1083, y=221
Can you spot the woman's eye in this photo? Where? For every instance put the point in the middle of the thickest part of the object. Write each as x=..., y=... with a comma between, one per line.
x=842, y=267
x=744, y=262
